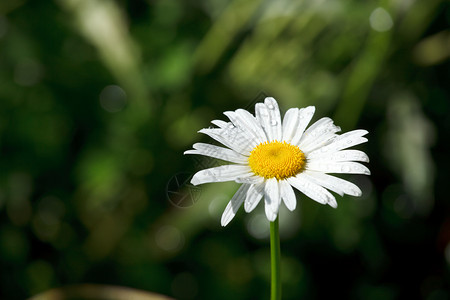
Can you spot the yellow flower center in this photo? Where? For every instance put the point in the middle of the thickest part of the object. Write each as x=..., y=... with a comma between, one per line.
x=276, y=159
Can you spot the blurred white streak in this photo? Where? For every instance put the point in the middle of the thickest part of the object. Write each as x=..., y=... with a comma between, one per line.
x=103, y=24
x=228, y=24
x=409, y=139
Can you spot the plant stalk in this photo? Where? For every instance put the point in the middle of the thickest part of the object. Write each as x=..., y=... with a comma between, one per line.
x=275, y=291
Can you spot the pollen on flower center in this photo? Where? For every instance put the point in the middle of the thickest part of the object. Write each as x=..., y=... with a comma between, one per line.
x=276, y=159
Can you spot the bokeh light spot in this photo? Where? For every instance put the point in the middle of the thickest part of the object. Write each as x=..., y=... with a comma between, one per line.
x=113, y=98
x=169, y=238
x=257, y=226
x=380, y=20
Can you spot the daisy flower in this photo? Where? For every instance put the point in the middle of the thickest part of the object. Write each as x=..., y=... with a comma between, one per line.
x=270, y=157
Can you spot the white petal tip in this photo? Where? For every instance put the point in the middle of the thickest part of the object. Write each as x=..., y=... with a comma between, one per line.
x=291, y=208
x=271, y=216
x=312, y=108
x=357, y=193
x=226, y=219
x=228, y=113
x=195, y=180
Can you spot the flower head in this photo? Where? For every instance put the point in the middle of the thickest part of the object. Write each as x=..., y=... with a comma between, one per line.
x=270, y=157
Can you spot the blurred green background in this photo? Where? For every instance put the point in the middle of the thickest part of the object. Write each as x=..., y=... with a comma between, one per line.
x=99, y=99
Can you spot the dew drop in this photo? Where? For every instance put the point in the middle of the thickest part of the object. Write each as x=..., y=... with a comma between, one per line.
x=349, y=141
x=273, y=122
x=270, y=106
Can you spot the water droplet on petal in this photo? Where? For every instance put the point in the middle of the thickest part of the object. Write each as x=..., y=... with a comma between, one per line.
x=273, y=122
x=270, y=106
x=349, y=141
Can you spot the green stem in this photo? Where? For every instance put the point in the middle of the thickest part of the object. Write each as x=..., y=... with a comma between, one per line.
x=275, y=292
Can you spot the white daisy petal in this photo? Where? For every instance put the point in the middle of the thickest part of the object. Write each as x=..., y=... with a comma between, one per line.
x=311, y=189
x=337, y=167
x=320, y=142
x=253, y=124
x=239, y=137
x=343, y=141
x=254, y=195
x=271, y=198
x=251, y=180
x=220, y=123
x=343, y=155
x=290, y=122
x=234, y=204
x=218, y=152
x=333, y=203
x=315, y=128
x=334, y=184
x=262, y=115
x=275, y=127
x=304, y=117
x=233, y=138
x=221, y=174
x=243, y=125
x=270, y=215
x=287, y=195
x=319, y=134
